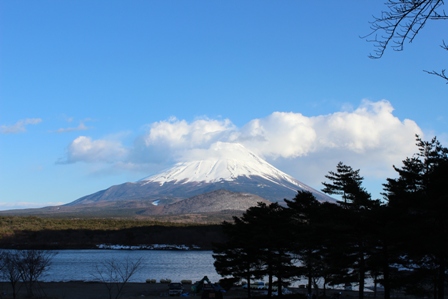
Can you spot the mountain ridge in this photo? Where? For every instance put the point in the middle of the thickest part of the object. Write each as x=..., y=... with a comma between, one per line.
x=226, y=166
x=224, y=161
x=226, y=178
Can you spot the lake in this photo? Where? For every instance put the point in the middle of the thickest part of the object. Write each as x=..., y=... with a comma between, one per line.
x=177, y=265
x=157, y=264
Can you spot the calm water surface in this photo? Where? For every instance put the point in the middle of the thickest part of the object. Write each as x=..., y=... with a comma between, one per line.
x=157, y=264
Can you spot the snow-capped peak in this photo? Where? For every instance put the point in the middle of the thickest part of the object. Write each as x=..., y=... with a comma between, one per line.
x=221, y=162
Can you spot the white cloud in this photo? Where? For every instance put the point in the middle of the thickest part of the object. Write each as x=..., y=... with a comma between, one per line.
x=80, y=127
x=84, y=149
x=176, y=133
x=369, y=138
x=372, y=126
x=167, y=141
x=281, y=134
x=19, y=126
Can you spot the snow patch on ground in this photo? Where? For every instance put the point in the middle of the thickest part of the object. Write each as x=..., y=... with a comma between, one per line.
x=147, y=247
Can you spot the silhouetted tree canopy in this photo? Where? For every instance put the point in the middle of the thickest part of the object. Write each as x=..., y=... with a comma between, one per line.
x=419, y=198
x=401, y=243
x=257, y=246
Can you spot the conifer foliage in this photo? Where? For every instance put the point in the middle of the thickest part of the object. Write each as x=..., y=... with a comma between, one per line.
x=400, y=242
x=257, y=246
x=419, y=199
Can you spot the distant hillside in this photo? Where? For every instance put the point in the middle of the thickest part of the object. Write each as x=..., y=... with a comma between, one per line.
x=212, y=207
x=49, y=233
x=215, y=201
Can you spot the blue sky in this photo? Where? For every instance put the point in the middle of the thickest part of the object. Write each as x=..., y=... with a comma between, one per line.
x=97, y=93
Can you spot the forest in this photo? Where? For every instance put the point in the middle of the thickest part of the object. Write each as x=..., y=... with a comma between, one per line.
x=400, y=242
x=84, y=233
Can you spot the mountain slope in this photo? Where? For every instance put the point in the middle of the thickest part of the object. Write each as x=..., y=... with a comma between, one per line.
x=215, y=201
x=226, y=166
x=212, y=207
x=222, y=162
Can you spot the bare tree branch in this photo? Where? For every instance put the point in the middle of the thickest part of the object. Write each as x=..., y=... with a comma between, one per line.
x=115, y=274
x=32, y=264
x=10, y=271
x=442, y=74
x=402, y=22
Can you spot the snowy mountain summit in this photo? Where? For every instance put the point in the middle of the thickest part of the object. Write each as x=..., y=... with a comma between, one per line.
x=233, y=167
x=223, y=162
x=224, y=166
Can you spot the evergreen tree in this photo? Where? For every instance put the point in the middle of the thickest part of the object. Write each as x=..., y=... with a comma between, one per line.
x=346, y=182
x=270, y=227
x=238, y=257
x=385, y=251
x=307, y=242
x=335, y=234
x=257, y=246
x=419, y=198
x=357, y=204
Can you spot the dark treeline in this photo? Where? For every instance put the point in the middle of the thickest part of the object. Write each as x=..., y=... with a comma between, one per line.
x=400, y=242
x=54, y=233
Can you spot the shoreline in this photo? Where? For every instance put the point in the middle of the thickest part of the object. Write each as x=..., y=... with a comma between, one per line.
x=139, y=290
x=161, y=247
x=98, y=290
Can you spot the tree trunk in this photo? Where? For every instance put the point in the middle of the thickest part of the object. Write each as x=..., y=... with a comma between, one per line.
x=248, y=286
x=279, y=287
x=310, y=283
x=386, y=275
x=441, y=280
x=362, y=274
x=324, y=288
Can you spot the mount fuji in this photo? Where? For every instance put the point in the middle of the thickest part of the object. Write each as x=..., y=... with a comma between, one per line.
x=224, y=166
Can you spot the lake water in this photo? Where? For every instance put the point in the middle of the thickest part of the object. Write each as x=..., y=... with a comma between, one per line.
x=176, y=265
x=157, y=264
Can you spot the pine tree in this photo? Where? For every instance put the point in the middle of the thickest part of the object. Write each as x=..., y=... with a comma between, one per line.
x=270, y=228
x=357, y=204
x=238, y=257
x=307, y=242
x=419, y=198
x=257, y=246
x=346, y=182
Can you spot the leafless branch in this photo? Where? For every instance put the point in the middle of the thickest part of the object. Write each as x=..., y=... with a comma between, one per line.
x=9, y=270
x=442, y=74
x=31, y=265
x=402, y=22
x=115, y=274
